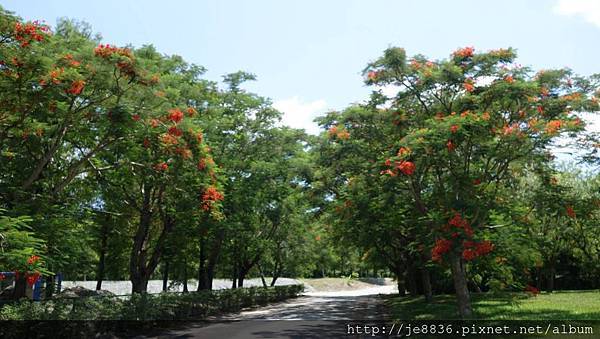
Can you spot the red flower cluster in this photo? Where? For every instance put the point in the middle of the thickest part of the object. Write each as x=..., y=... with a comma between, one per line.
x=209, y=197
x=540, y=109
x=168, y=139
x=406, y=167
x=175, y=115
x=454, y=128
x=468, y=85
x=147, y=143
x=161, y=166
x=31, y=31
x=136, y=117
x=2, y=277
x=372, y=75
x=403, y=151
x=202, y=164
x=106, y=51
x=33, y=259
x=571, y=212
x=465, y=52
x=191, y=111
x=441, y=247
x=185, y=153
x=32, y=278
x=55, y=75
x=553, y=126
x=450, y=145
x=473, y=250
x=458, y=222
x=154, y=123
x=76, y=87
x=176, y=132
x=72, y=61
x=530, y=289
x=339, y=133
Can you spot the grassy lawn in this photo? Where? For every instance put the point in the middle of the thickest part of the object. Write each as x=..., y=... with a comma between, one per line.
x=572, y=305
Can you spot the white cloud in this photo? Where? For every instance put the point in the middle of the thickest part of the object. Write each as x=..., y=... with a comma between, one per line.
x=299, y=114
x=588, y=9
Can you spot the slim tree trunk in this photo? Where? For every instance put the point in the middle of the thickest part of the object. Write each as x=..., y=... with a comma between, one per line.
x=551, y=277
x=539, y=276
x=460, y=286
x=400, y=283
x=242, y=272
x=234, y=276
x=262, y=276
x=426, y=280
x=398, y=270
x=411, y=281
x=202, y=279
x=50, y=286
x=185, y=277
x=165, y=285
x=103, y=248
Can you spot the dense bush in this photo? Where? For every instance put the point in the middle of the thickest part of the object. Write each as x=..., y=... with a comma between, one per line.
x=164, y=306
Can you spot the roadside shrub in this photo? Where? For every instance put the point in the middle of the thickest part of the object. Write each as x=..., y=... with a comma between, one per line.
x=163, y=306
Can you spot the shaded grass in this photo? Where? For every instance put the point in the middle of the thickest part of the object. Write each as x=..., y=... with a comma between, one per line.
x=562, y=305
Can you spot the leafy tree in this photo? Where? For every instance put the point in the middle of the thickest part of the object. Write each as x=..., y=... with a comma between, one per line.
x=464, y=124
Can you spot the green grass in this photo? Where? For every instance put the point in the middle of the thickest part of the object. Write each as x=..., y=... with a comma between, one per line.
x=571, y=305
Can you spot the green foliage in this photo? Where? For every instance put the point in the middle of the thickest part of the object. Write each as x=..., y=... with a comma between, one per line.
x=17, y=243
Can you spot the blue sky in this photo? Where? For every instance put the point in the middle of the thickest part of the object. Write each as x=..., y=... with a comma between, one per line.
x=308, y=55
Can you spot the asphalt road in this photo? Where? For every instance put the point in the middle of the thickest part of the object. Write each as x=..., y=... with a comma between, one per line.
x=316, y=315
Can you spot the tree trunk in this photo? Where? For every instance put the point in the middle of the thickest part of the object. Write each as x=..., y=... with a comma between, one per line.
x=50, y=286
x=213, y=257
x=165, y=284
x=411, y=281
x=401, y=287
x=185, y=277
x=539, y=275
x=137, y=259
x=551, y=277
x=139, y=284
x=276, y=274
x=242, y=272
x=234, y=276
x=262, y=276
x=202, y=279
x=103, y=248
x=20, y=286
x=398, y=270
x=141, y=268
x=426, y=280
x=460, y=286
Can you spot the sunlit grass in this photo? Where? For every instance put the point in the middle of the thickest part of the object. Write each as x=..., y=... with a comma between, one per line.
x=575, y=305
